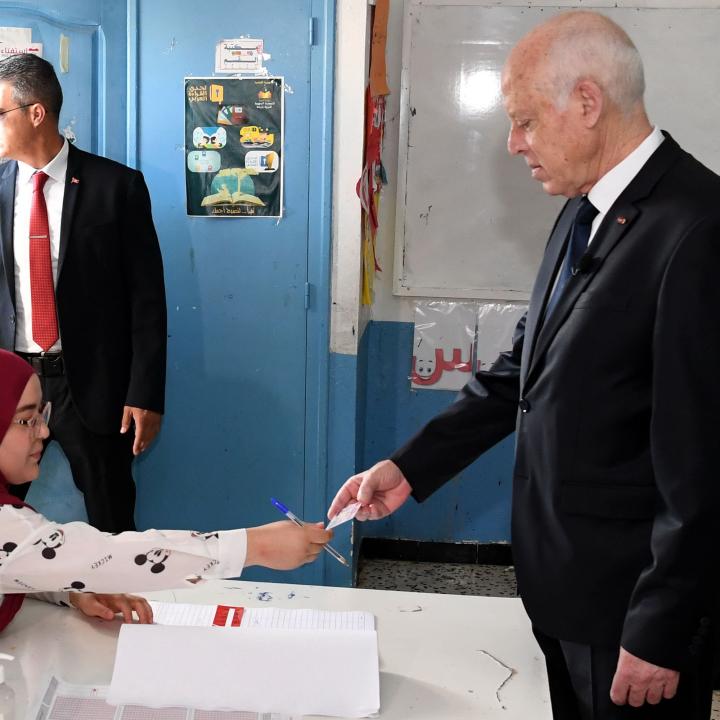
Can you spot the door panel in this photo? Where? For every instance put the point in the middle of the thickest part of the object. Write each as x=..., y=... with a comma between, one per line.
x=235, y=423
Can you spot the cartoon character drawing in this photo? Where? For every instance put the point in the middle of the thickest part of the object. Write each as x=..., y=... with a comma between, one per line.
x=252, y=136
x=6, y=549
x=428, y=365
x=76, y=585
x=51, y=542
x=156, y=557
x=209, y=138
x=205, y=536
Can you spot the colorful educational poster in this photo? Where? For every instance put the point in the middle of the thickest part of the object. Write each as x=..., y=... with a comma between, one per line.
x=234, y=146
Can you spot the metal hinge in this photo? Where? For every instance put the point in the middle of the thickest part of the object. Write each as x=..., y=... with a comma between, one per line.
x=311, y=33
x=307, y=295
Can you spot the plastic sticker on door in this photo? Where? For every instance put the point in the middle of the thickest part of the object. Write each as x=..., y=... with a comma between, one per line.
x=443, y=345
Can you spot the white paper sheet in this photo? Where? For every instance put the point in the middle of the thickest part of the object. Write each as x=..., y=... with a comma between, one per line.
x=284, y=619
x=18, y=36
x=345, y=515
x=299, y=672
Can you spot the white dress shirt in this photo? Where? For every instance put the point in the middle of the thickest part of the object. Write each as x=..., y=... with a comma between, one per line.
x=37, y=555
x=54, y=190
x=609, y=187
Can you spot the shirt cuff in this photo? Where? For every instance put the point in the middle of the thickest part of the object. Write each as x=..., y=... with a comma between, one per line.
x=233, y=551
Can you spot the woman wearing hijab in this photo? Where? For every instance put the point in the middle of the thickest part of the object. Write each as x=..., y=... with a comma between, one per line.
x=55, y=561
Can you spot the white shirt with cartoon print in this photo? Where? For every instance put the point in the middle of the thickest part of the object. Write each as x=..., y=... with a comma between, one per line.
x=40, y=556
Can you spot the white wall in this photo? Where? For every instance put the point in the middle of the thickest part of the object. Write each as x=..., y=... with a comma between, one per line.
x=352, y=41
x=347, y=319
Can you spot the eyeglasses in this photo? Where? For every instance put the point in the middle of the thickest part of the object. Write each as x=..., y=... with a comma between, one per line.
x=19, y=107
x=35, y=423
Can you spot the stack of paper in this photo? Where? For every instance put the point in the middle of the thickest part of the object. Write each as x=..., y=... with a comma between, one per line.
x=296, y=662
x=189, y=614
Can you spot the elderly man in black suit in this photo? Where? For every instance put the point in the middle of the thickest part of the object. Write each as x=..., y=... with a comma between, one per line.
x=610, y=385
x=82, y=295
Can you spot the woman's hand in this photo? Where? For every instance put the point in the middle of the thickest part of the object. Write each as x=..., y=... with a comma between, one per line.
x=107, y=606
x=284, y=545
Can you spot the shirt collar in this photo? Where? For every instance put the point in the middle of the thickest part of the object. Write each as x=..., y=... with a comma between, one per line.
x=609, y=187
x=56, y=169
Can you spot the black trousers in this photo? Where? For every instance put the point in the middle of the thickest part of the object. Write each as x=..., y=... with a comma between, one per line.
x=100, y=464
x=580, y=677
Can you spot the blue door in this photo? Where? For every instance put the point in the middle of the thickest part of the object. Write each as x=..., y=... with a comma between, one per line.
x=243, y=310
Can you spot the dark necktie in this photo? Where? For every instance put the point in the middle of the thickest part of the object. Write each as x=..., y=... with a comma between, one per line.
x=42, y=290
x=576, y=247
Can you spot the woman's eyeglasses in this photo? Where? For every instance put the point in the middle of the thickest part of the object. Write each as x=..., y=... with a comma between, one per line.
x=35, y=423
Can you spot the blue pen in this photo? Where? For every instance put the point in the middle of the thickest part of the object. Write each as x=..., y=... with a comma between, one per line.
x=294, y=518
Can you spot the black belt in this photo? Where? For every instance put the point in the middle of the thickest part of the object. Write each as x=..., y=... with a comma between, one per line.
x=45, y=364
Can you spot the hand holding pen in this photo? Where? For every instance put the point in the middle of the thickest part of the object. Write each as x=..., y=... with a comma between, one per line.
x=285, y=546
x=294, y=518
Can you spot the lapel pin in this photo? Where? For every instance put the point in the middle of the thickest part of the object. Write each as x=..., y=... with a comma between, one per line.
x=74, y=181
x=621, y=219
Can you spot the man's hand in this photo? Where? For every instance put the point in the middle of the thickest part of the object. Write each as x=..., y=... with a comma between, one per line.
x=382, y=490
x=637, y=681
x=147, y=426
x=107, y=606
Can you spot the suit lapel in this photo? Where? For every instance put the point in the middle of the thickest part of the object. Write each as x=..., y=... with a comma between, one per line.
x=617, y=222
x=72, y=185
x=7, y=220
x=552, y=258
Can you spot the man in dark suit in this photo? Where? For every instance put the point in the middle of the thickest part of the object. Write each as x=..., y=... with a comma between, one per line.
x=610, y=385
x=82, y=295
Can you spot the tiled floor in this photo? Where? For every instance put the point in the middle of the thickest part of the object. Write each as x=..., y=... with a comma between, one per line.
x=455, y=578
x=452, y=578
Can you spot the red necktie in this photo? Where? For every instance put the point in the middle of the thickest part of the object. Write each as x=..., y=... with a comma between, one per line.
x=42, y=290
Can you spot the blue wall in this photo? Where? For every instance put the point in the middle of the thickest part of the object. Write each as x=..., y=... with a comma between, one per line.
x=475, y=506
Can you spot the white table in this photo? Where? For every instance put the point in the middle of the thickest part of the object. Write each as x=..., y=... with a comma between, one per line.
x=441, y=656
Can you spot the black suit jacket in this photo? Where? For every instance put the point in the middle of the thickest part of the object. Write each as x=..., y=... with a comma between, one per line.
x=616, y=400
x=110, y=291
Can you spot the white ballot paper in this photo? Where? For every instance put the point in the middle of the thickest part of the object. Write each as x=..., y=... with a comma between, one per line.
x=264, y=670
x=272, y=617
x=346, y=514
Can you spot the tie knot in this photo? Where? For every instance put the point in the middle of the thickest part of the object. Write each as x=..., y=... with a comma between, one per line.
x=39, y=179
x=586, y=212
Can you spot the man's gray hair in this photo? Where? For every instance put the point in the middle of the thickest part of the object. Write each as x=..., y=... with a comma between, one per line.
x=589, y=46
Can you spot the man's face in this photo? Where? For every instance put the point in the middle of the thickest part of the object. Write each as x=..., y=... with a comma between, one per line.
x=553, y=142
x=16, y=128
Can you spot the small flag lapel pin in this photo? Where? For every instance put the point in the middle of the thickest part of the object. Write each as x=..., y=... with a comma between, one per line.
x=74, y=181
x=621, y=219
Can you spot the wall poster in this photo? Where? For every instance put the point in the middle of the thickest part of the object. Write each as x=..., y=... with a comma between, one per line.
x=234, y=146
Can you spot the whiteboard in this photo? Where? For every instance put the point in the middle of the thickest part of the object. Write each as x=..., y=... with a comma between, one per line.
x=470, y=221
